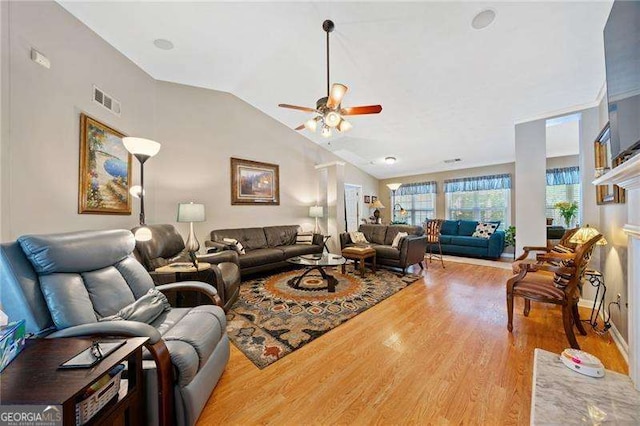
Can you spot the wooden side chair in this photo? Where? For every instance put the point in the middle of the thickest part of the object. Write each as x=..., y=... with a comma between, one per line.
x=432, y=228
x=541, y=281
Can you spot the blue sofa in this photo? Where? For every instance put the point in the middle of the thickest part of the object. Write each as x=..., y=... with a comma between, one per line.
x=456, y=239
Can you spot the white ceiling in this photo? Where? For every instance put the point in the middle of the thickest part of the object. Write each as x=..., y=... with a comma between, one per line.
x=446, y=89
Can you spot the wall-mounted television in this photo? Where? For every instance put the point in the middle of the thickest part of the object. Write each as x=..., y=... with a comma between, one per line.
x=622, y=59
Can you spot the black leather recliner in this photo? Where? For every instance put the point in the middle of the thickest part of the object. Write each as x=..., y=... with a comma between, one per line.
x=167, y=246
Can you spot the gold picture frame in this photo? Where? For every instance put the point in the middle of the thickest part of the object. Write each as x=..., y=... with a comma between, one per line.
x=105, y=170
x=254, y=183
x=606, y=194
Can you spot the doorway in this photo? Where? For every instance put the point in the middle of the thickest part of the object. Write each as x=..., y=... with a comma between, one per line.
x=352, y=210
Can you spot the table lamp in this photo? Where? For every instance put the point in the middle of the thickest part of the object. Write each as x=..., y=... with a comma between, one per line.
x=190, y=212
x=377, y=205
x=142, y=149
x=316, y=212
x=586, y=233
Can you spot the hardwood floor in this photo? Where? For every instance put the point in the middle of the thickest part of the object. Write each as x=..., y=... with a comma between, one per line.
x=438, y=352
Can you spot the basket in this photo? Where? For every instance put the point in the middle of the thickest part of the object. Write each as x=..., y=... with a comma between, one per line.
x=89, y=407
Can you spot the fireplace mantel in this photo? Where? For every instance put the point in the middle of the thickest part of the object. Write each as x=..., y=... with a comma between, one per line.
x=626, y=175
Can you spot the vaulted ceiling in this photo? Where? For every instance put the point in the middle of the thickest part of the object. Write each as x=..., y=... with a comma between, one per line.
x=447, y=90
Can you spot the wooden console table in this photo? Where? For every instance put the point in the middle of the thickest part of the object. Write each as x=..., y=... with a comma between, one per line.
x=33, y=378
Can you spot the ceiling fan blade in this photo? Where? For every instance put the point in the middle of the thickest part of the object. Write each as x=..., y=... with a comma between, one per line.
x=360, y=110
x=336, y=94
x=300, y=127
x=299, y=108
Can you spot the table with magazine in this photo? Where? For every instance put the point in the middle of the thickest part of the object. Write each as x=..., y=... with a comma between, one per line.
x=318, y=262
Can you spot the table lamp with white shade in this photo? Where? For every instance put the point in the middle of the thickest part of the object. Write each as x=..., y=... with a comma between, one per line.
x=191, y=212
x=377, y=205
x=316, y=212
x=142, y=149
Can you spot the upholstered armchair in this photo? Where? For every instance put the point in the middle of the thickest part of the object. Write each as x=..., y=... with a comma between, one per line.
x=66, y=285
x=563, y=246
x=167, y=246
x=555, y=279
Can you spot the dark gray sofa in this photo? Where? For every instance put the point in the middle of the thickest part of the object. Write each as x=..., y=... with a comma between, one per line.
x=266, y=248
x=410, y=251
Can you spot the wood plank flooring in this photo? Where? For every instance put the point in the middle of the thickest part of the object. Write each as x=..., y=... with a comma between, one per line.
x=437, y=352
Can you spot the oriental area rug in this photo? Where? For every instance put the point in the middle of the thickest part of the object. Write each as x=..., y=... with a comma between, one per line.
x=271, y=319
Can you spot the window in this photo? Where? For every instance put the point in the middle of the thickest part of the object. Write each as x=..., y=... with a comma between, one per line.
x=418, y=200
x=483, y=199
x=563, y=185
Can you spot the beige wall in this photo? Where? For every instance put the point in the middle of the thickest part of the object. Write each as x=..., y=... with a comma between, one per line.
x=613, y=256
x=40, y=165
x=440, y=177
x=199, y=130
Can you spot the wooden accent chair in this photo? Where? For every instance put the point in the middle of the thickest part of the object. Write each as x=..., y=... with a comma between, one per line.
x=563, y=246
x=541, y=281
x=432, y=228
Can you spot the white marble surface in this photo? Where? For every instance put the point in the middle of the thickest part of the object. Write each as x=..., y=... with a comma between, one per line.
x=562, y=396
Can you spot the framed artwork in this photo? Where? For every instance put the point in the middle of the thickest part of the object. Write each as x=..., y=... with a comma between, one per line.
x=105, y=170
x=254, y=183
x=367, y=199
x=374, y=198
x=606, y=194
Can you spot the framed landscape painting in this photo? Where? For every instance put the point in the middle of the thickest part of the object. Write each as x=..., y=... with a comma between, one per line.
x=105, y=170
x=254, y=183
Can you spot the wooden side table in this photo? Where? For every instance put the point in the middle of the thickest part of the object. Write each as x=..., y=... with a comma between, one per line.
x=359, y=255
x=184, y=271
x=33, y=378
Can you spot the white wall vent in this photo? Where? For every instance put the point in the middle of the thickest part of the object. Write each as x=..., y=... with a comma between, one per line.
x=106, y=100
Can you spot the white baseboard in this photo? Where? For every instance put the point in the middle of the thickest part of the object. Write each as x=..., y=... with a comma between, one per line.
x=622, y=346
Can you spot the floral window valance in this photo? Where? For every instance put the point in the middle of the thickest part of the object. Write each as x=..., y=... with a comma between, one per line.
x=478, y=183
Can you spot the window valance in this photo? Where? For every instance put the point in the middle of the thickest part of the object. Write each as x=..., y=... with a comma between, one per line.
x=478, y=183
x=417, y=188
x=563, y=176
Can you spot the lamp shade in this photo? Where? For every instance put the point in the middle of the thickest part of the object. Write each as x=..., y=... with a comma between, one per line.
x=143, y=234
x=141, y=146
x=376, y=205
x=316, y=211
x=394, y=186
x=586, y=233
x=191, y=212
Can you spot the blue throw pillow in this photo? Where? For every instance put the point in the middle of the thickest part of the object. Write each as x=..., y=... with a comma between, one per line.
x=467, y=228
x=449, y=227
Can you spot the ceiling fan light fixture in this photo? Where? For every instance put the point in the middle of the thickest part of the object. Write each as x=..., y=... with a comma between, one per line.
x=326, y=131
x=332, y=119
x=344, y=126
x=311, y=124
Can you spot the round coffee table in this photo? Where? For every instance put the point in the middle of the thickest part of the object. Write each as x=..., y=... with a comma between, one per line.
x=318, y=262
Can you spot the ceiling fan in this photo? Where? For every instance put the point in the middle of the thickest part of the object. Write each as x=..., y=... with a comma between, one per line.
x=329, y=112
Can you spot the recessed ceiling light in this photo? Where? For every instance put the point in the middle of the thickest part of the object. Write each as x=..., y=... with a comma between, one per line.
x=163, y=44
x=483, y=19
x=390, y=160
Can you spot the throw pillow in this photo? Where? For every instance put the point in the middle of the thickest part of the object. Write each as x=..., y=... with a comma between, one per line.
x=485, y=230
x=396, y=240
x=305, y=238
x=358, y=238
x=236, y=244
